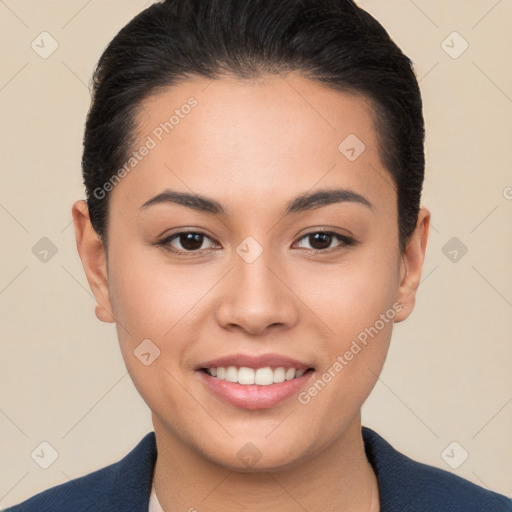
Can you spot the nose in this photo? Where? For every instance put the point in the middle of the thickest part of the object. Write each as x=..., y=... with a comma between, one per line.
x=256, y=297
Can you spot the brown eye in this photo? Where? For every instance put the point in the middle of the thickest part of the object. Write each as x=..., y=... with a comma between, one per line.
x=321, y=241
x=185, y=242
x=191, y=241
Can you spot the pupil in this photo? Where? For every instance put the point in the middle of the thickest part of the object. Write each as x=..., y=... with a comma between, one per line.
x=320, y=236
x=191, y=241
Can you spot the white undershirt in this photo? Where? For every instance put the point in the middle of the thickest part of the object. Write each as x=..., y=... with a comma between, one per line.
x=154, y=505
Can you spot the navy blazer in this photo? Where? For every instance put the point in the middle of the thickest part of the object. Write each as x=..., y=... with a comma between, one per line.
x=404, y=485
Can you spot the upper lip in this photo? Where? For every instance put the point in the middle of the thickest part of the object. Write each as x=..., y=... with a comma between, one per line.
x=254, y=361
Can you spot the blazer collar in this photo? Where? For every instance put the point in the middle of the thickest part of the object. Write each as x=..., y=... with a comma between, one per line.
x=133, y=475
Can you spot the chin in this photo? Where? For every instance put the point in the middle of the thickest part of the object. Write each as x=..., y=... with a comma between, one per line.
x=245, y=456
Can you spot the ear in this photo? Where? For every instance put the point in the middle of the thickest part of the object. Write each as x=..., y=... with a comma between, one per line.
x=412, y=265
x=94, y=260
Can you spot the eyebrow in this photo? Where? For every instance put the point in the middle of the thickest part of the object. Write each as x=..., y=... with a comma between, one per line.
x=301, y=203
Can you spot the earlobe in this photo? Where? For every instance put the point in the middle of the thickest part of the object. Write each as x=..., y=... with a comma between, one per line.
x=92, y=254
x=411, y=266
x=103, y=315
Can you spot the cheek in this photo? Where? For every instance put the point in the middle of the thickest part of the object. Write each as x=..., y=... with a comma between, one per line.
x=161, y=302
x=151, y=296
x=358, y=304
x=152, y=304
x=351, y=296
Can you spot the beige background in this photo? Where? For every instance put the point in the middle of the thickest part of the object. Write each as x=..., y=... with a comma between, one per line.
x=447, y=377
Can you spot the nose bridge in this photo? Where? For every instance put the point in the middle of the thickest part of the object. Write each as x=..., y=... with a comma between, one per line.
x=255, y=277
x=255, y=296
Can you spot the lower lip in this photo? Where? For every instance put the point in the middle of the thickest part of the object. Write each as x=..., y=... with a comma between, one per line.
x=253, y=396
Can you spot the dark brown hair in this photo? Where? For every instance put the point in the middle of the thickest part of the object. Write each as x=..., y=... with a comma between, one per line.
x=331, y=41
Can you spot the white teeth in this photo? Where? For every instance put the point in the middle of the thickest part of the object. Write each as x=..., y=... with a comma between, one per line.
x=261, y=376
x=264, y=376
x=290, y=374
x=231, y=374
x=246, y=375
x=279, y=374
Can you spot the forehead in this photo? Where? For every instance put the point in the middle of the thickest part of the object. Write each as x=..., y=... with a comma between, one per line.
x=245, y=140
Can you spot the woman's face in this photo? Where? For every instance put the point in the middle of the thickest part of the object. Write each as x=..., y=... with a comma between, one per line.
x=248, y=289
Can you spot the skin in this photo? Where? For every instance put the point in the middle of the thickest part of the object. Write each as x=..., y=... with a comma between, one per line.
x=253, y=146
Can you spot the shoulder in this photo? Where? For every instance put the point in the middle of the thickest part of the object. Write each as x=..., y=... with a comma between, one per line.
x=410, y=486
x=123, y=486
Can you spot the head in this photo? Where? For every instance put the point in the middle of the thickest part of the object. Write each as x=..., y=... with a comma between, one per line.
x=253, y=171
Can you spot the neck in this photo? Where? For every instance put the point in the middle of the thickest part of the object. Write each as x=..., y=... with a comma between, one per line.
x=338, y=478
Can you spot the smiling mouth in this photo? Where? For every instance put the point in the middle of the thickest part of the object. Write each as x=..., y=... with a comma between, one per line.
x=264, y=376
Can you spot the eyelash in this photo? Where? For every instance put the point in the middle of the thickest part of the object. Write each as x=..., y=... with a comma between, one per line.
x=165, y=243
